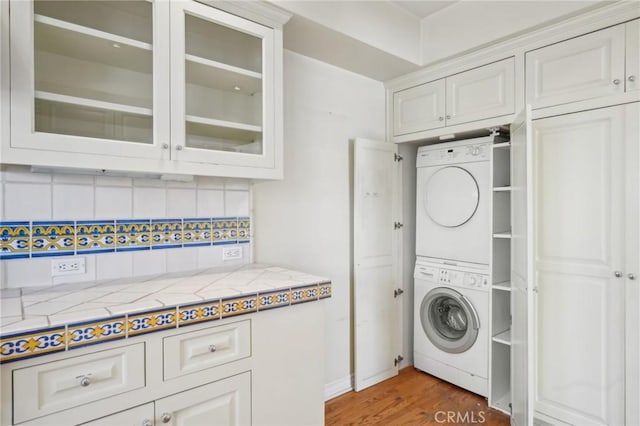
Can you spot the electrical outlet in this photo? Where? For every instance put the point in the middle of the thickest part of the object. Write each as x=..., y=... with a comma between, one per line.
x=68, y=266
x=232, y=253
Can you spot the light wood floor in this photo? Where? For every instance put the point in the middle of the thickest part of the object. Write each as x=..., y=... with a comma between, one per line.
x=412, y=398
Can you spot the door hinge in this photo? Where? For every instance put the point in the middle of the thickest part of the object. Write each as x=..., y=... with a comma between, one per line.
x=397, y=360
x=397, y=157
x=397, y=292
x=397, y=225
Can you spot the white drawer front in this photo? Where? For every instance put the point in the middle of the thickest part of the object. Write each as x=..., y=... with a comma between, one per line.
x=59, y=385
x=189, y=352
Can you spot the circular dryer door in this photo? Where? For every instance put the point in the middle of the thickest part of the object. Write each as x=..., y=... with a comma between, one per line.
x=451, y=196
x=449, y=320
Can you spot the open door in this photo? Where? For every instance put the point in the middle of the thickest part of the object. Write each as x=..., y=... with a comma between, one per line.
x=522, y=285
x=377, y=329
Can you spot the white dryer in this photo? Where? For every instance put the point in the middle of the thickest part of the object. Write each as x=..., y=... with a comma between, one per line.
x=452, y=202
x=451, y=324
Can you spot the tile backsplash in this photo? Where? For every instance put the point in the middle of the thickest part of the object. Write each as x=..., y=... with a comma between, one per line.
x=118, y=224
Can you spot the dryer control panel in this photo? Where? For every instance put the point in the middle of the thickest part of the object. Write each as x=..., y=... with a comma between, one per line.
x=462, y=279
x=453, y=153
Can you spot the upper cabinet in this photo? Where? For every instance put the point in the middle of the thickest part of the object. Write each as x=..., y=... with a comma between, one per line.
x=585, y=67
x=483, y=92
x=155, y=87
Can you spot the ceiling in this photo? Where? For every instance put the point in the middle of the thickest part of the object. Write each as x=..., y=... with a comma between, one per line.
x=422, y=8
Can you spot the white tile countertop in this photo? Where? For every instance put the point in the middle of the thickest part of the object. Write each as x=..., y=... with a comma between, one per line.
x=36, y=320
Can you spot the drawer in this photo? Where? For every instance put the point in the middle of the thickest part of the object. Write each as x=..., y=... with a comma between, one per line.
x=47, y=388
x=197, y=350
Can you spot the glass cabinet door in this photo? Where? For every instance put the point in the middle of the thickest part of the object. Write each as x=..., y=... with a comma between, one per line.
x=84, y=75
x=222, y=87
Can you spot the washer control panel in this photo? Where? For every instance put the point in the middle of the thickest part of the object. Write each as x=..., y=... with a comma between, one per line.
x=462, y=279
x=433, y=155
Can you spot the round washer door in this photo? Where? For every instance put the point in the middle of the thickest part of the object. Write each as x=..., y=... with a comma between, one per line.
x=451, y=196
x=449, y=320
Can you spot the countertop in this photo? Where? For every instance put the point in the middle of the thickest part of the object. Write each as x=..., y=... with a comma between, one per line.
x=66, y=316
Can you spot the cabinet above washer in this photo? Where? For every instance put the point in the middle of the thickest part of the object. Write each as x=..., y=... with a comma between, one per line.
x=480, y=93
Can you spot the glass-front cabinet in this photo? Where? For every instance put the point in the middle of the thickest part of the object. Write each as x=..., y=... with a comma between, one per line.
x=177, y=86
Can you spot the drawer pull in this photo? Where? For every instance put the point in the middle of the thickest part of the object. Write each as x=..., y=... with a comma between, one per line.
x=616, y=81
x=212, y=348
x=85, y=381
x=632, y=78
x=165, y=417
x=147, y=422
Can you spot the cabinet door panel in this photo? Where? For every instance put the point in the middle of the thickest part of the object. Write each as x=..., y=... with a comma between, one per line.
x=579, y=220
x=419, y=108
x=581, y=68
x=226, y=402
x=480, y=93
x=633, y=55
x=86, y=85
x=223, y=75
x=136, y=416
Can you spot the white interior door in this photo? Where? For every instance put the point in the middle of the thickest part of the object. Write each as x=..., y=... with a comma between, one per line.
x=376, y=312
x=579, y=266
x=521, y=271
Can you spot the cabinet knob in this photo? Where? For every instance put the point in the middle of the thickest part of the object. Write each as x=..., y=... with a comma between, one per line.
x=147, y=422
x=448, y=117
x=616, y=81
x=212, y=348
x=631, y=276
x=85, y=381
x=165, y=146
x=617, y=274
x=632, y=78
x=165, y=417
x=178, y=147
x=441, y=118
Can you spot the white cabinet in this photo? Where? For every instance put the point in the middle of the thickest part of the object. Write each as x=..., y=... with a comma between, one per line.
x=483, y=92
x=155, y=87
x=419, y=108
x=226, y=402
x=586, y=210
x=585, y=67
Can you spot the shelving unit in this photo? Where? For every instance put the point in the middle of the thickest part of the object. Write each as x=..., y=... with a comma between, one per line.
x=500, y=345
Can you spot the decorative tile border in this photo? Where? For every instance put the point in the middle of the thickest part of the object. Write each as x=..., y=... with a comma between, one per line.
x=22, y=240
x=19, y=346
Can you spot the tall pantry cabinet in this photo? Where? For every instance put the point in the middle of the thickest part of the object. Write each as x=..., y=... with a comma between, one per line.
x=586, y=263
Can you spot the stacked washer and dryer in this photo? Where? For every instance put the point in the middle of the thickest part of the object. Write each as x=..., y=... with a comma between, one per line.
x=451, y=293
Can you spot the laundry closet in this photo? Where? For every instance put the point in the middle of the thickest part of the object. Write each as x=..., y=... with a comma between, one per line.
x=559, y=111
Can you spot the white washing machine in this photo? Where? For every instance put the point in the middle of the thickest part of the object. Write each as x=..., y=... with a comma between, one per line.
x=451, y=324
x=452, y=201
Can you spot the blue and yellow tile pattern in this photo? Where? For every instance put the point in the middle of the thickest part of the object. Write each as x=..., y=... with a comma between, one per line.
x=18, y=346
x=15, y=240
x=22, y=240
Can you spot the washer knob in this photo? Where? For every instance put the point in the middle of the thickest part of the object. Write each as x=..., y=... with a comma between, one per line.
x=472, y=280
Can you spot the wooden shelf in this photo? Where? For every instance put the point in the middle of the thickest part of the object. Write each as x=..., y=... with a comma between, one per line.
x=505, y=235
x=502, y=286
x=504, y=337
x=88, y=44
x=503, y=145
x=208, y=73
x=503, y=404
x=502, y=189
x=92, y=103
x=223, y=123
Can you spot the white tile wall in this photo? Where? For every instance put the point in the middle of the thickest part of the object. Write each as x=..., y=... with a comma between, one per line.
x=45, y=196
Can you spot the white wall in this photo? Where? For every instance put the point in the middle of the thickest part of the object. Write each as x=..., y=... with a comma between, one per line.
x=469, y=24
x=378, y=23
x=303, y=221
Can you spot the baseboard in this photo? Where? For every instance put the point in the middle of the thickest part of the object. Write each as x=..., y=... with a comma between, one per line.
x=338, y=387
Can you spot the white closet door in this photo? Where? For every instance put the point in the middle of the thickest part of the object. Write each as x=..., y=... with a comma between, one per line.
x=521, y=271
x=633, y=55
x=579, y=221
x=377, y=322
x=632, y=233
